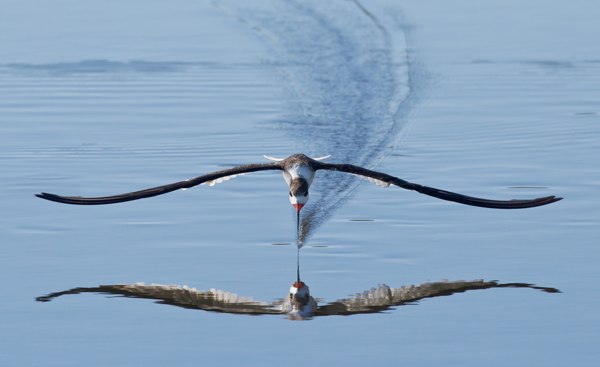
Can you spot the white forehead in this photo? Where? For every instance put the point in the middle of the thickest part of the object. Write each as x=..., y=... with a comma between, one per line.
x=299, y=199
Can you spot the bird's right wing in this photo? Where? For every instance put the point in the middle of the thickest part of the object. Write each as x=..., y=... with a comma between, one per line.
x=208, y=178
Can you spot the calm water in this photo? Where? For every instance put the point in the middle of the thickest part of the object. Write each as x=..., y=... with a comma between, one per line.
x=497, y=100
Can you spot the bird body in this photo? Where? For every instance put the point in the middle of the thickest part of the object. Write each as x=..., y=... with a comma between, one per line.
x=298, y=173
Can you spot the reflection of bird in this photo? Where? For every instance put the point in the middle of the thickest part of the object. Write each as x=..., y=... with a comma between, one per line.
x=299, y=171
x=298, y=304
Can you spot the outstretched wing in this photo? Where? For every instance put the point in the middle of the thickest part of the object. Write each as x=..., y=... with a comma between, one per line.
x=440, y=194
x=208, y=178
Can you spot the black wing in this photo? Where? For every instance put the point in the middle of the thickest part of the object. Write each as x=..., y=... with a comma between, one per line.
x=440, y=194
x=78, y=200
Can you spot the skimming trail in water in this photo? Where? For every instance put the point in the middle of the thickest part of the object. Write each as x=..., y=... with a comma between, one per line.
x=348, y=81
x=299, y=171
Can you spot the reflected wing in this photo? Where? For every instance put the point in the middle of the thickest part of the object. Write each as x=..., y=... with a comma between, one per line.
x=213, y=300
x=383, y=180
x=383, y=297
x=210, y=178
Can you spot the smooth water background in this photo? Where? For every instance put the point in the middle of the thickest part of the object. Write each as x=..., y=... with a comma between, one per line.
x=496, y=100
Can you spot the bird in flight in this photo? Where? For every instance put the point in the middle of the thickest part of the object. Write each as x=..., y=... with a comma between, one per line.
x=299, y=171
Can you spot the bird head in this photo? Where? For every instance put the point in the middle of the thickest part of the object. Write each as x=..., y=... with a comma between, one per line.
x=298, y=193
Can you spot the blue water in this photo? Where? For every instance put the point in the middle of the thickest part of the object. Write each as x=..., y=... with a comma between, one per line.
x=497, y=100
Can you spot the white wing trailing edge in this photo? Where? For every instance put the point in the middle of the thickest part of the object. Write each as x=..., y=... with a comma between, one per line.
x=374, y=180
x=221, y=179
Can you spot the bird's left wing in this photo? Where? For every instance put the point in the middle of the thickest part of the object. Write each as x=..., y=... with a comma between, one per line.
x=208, y=178
x=382, y=178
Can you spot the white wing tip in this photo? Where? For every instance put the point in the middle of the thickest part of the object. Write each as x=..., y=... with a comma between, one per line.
x=280, y=159
x=273, y=159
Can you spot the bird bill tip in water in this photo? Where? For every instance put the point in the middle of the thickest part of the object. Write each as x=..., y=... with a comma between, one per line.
x=298, y=206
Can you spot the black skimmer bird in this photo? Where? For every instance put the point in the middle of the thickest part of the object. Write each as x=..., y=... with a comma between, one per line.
x=299, y=171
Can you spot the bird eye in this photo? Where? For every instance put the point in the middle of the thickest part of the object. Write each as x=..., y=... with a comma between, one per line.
x=290, y=194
